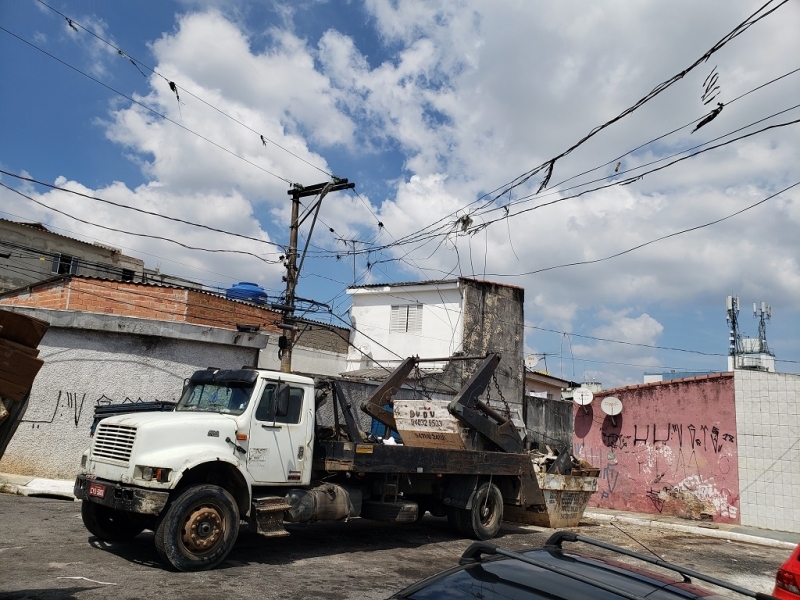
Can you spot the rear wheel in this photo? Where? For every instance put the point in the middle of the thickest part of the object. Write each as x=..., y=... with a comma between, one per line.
x=199, y=528
x=109, y=524
x=482, y=521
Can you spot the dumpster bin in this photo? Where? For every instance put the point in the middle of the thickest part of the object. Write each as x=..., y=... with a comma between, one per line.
x=563, y=500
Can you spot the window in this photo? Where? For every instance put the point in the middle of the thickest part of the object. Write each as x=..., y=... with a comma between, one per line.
x=266, y=406
x=406, y=318
x=64, y=264
x=127, y=274
x=229, y=398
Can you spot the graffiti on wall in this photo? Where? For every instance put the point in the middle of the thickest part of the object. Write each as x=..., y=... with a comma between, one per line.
x=665, y=465
x=70, y=406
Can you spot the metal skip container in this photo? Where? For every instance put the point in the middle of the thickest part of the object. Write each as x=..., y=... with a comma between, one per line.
x=562, y=501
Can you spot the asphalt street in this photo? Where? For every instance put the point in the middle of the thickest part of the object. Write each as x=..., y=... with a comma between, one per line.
x=45, y=552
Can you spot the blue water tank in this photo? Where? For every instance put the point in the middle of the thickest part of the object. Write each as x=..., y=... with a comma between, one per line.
x=249, y=292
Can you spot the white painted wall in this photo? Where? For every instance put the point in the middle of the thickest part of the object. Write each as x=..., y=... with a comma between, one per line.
x=768, y=429
x=442, y=323
x=304, y=360
x=83, y=368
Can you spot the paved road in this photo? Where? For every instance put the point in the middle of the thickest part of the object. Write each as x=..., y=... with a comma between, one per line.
x=45, y=550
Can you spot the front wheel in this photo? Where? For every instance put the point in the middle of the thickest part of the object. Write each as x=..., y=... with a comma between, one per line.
x=482, y=521
x=198, y=529
x=109, y=524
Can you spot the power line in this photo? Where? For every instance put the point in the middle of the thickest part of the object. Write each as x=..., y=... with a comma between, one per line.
x=507, y=187
x=146, y=107
x=143, y=235
x=139, y=210
x=109, y=244
x=470, y=229
x=137, y=63
x=651, y=346
x=525, y=199
x=653, y=241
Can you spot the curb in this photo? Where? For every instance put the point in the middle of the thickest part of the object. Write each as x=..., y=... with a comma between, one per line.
x=715, y=533
x=34, y=486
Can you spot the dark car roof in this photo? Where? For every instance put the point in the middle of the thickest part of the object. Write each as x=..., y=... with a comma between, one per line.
x=504, y=578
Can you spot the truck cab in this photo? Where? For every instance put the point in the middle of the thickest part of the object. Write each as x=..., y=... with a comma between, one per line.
x=231, y=431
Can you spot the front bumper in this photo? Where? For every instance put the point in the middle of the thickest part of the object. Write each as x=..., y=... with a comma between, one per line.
x=122, y=497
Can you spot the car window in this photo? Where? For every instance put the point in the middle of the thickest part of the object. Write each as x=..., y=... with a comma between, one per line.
x=266, y=405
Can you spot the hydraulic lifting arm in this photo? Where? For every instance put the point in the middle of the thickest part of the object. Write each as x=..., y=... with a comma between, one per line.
x=471, y=411
x=383, y=395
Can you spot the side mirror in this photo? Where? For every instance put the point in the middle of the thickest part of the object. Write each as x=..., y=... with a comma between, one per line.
x=282, y=400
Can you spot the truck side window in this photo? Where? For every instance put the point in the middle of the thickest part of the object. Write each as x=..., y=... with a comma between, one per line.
x=266, y=406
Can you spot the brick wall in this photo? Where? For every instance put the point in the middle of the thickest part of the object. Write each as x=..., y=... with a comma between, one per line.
x=143, y=301
x=205, y=309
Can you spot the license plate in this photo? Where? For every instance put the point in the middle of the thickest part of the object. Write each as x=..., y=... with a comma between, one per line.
x=97, y=490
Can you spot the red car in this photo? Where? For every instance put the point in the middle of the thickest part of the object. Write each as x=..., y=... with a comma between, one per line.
x=787, y=580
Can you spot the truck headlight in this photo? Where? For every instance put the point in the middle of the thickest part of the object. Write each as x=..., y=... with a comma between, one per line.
x=153, y=473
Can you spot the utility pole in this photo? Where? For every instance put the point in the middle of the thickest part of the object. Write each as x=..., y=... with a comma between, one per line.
x=289, y=327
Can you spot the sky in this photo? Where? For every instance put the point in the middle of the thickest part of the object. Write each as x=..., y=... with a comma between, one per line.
x=440, y=112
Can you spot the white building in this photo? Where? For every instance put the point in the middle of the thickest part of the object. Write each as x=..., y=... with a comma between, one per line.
x=390, y=322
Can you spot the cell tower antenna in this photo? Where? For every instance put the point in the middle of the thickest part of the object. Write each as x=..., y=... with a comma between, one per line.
x=763, y=313
x=732, y=317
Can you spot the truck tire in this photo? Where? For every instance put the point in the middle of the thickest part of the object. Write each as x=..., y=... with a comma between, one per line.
x=394, y=512
x=482, y=521
x=198, y=529
x=109, y=524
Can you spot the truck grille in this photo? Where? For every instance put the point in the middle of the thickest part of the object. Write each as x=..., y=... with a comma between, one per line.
x=113, y=441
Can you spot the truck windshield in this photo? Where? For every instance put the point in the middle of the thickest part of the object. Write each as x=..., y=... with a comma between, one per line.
x=229, y=398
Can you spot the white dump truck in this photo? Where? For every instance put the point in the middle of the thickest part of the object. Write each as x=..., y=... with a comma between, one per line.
x=244, y=446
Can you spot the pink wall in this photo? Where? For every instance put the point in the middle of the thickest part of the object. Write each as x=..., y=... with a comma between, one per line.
x=671, y=451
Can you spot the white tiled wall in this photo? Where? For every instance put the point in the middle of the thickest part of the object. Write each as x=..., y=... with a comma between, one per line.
x=768, y=431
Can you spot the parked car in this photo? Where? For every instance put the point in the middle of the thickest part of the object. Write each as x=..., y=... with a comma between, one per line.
x=787, y=579
x=489, y=572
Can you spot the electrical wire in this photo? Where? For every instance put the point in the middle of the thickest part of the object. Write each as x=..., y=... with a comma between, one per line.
x=139, y=210
x=143, y=235
x=653, y=241
x=146, y=107
x=610, y=162
x=109, y=244
x=137, y=63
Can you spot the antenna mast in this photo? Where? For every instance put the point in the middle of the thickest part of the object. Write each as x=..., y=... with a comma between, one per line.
x=732, y=317
x=763, y=313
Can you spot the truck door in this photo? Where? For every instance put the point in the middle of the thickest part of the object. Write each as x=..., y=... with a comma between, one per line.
x=280, y=444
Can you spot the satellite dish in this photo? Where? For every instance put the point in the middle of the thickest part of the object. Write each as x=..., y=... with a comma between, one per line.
x=611, y=406
x=582, y=396
x=531, y=361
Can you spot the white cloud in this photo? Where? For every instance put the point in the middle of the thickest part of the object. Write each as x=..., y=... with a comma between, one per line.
x=464, y=97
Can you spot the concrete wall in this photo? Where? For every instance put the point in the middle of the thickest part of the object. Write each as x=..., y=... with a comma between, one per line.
x=29, y=244
x=549, y=422
x=673, y=450
x=493, y=322
x=99, y=359
x=768, y=434
x=304, y=360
